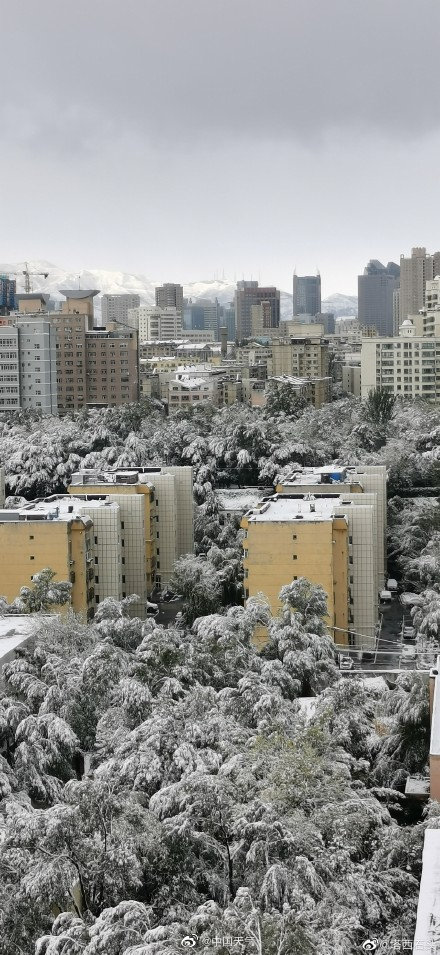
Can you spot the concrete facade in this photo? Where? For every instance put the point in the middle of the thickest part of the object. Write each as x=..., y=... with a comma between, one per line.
x=306, y=294
x=114, y=308
x=415, y=272
x=329, y=540
x=407, y=366
x=248, y=294
x=156, y=322
x=376, y=288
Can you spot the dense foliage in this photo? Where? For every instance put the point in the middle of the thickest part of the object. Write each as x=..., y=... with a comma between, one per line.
x=158, y=783
x=236, y=445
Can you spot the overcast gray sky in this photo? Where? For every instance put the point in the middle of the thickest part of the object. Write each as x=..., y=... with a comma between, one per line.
x=181, y=138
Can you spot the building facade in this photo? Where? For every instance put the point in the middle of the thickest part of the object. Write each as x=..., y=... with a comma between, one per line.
x=157, y=513
x=306, y=294
x=48, y=534
x=328, y=540
x=376, y=289
x=302, y=357
x=159, y=323
x=407, y=366
x=415, y=272
x=169, y=295
x=249, y=293
x=28, y=366
x=8, y=288
x=114, y=308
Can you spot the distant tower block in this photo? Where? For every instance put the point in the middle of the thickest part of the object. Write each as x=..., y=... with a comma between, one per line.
x=224, y=341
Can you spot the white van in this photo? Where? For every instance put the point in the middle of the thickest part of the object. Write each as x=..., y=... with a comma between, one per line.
x=386, y=596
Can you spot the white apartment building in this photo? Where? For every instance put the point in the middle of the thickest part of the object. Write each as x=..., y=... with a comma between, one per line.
x=9, y=369
x=190, y=388
x=155, y=323
x=407, y=366
x=114, y=308
x=28, y=377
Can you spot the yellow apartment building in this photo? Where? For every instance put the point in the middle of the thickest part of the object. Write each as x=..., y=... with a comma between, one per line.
x=281, y=544
x=38, y=536
x=328, y=540
x=354, y=483
x=152, y=541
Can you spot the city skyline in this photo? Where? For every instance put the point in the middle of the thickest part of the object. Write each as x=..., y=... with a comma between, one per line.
x=190, y=157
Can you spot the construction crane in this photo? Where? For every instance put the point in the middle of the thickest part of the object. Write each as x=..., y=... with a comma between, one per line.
x=27, y=277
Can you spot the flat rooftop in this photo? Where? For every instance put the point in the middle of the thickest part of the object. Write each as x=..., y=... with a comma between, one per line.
x=16, y=629
x=64, y=508
x=284, y=509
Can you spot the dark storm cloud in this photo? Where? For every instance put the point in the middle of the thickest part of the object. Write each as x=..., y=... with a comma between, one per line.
x=80, y=72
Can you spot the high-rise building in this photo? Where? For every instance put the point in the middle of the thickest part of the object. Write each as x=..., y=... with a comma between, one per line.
x=193, y=316
x=306, y=294
x=169, y=295
x=38, y=364
x=112, y=371
x=227, y=318
x=7, y=294
x=375, y=295
x=407, y=366
x=155, y=536
x=249, y=293
x=28, y=377
x=303, y=356
x=154, y=322
x=325, y=524
x=114, y=308
x=9, y=368
x=94, y=367
x=415, y=272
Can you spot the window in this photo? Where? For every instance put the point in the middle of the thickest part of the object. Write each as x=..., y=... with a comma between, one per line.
x=31, y=537
x=31, y=558
x=294, y=557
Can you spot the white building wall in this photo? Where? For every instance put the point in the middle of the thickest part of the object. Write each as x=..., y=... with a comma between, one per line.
x=133, y=542
x=9, y=369
x=374, y=481
x=108, y=551
x=362, y=570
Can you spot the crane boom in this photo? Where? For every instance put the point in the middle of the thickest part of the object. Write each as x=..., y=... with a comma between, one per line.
x=27, y=277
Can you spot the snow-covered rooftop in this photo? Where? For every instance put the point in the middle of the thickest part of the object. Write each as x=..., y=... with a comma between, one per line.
x=54, y=509
x=281, y=508
x=427, y=934
x=242, y=499
x=15, y=630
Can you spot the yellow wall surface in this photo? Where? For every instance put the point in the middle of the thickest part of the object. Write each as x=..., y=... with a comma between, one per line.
x=27, y=547
x=276, y=553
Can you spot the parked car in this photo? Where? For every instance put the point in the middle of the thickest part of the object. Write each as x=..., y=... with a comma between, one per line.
x=410, y=600
x=408, y=633
x=152, y=609
x=345, y=662
x=385, y=596
x=392, y=584
x=408, y=655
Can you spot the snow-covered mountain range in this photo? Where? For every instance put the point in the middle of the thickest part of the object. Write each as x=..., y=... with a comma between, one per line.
x=114, y=283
